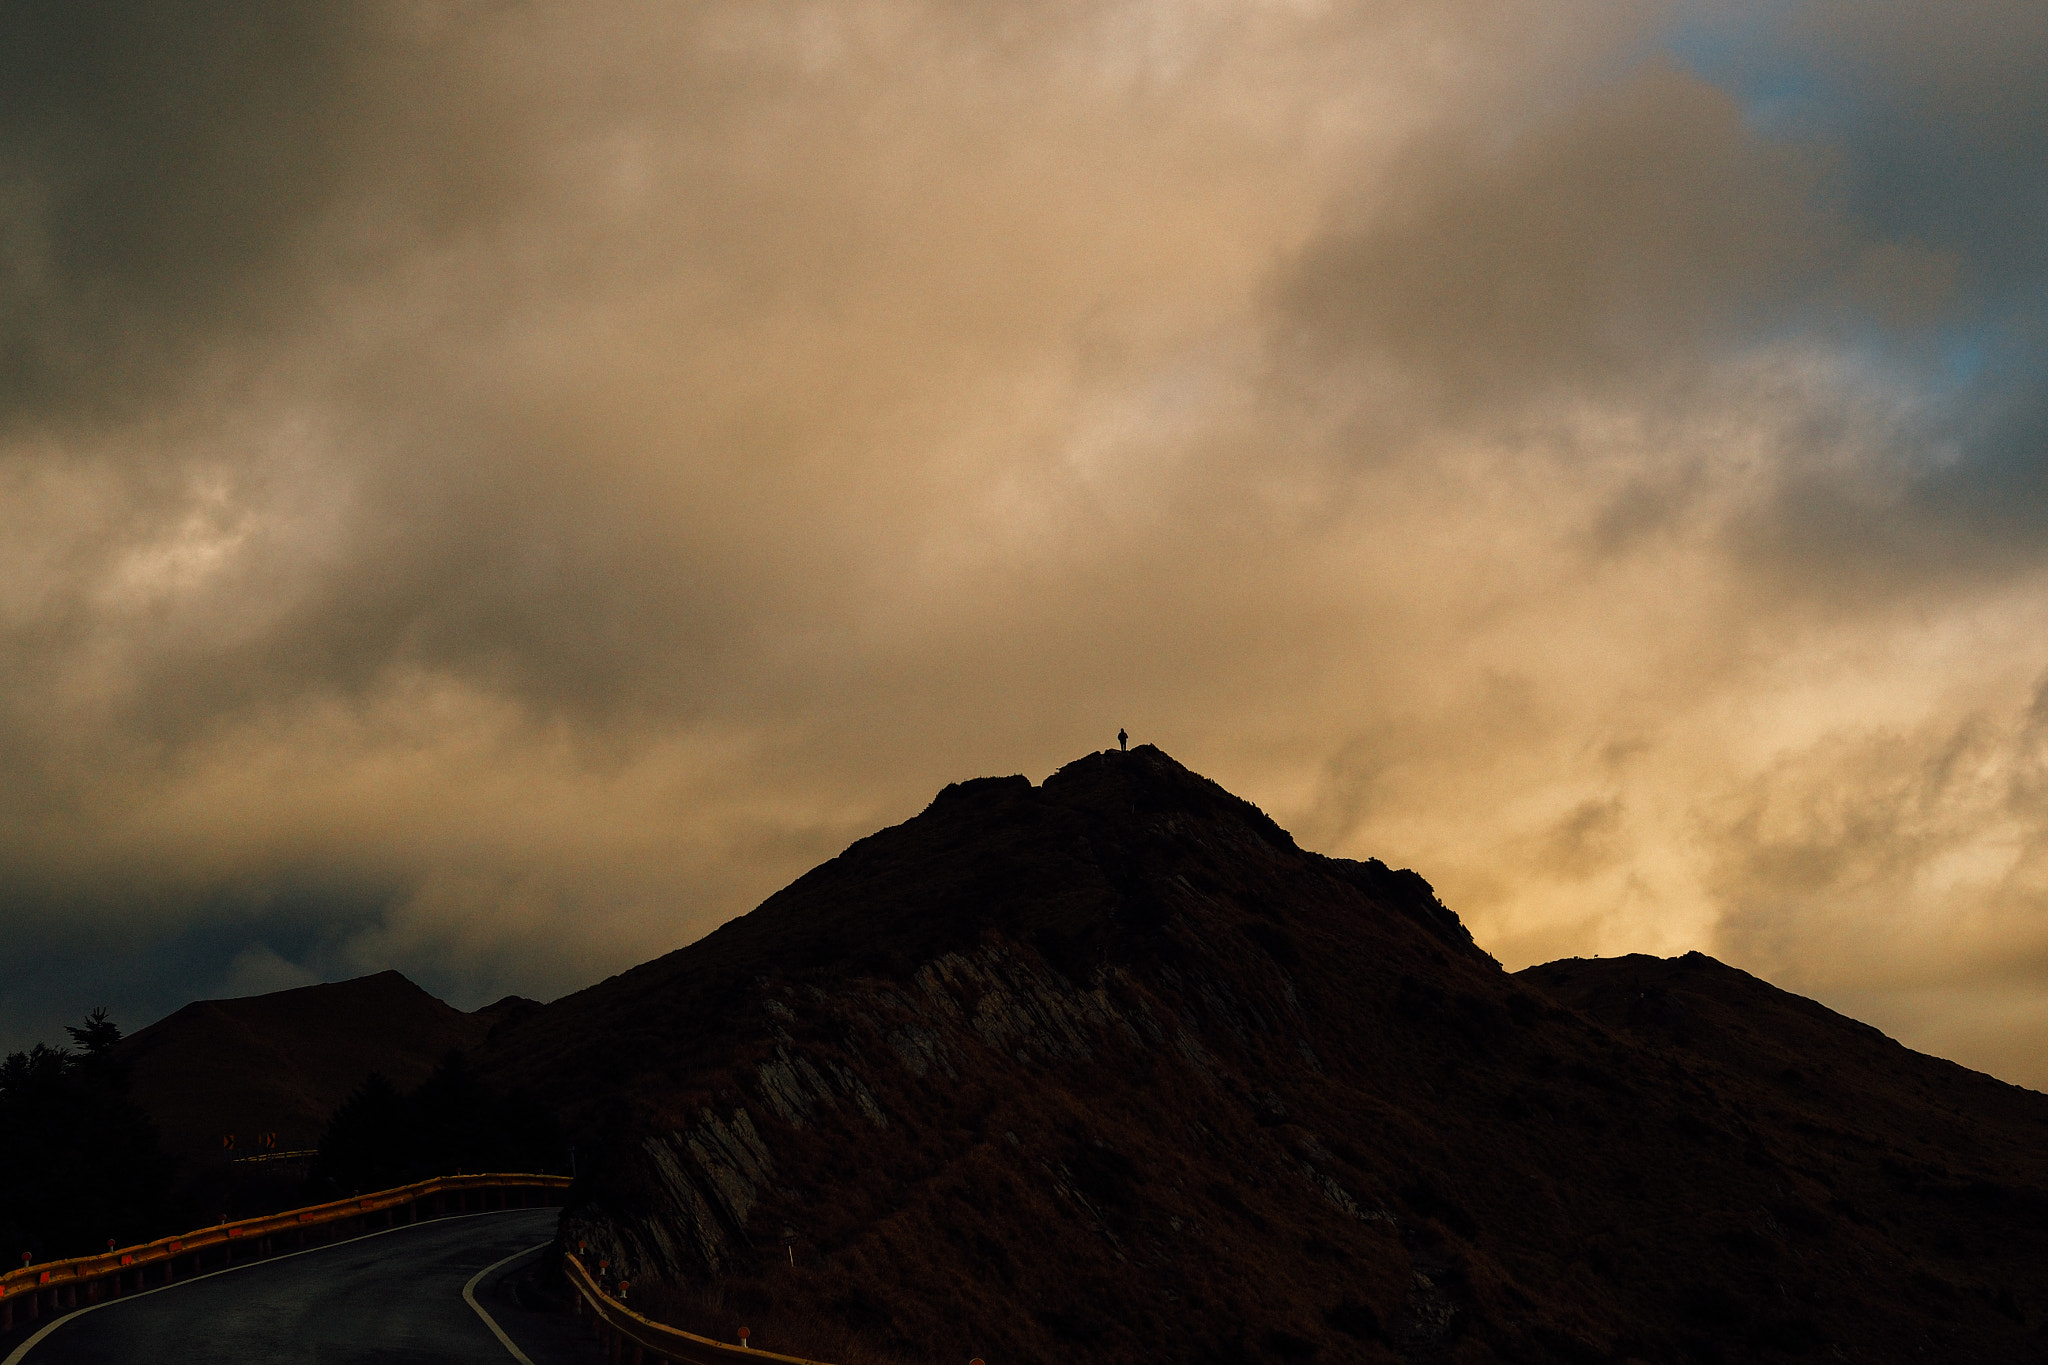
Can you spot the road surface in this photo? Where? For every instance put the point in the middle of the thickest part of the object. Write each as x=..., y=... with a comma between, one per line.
x=392, y=1298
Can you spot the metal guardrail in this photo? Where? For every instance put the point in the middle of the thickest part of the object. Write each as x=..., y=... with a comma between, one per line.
x=633, y=1340
x=627, y=1336
x=27, y=1293
x=302, y=1154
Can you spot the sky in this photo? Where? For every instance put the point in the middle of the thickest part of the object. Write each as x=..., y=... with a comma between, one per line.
x=496, y=489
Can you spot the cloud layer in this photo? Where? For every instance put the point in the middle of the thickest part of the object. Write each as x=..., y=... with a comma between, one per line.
x=494, y=490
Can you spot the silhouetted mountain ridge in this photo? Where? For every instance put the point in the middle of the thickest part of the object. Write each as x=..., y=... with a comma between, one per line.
x=1109, y=1068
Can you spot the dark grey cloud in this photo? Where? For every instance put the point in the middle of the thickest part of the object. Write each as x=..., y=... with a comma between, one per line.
x=1602, y=246
x=70, y=956
x=493, y=490
x=158, y=168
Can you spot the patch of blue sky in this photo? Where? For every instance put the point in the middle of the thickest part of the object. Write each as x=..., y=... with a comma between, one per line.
x=1967, y=383
x=1904, y=167
x=1962, y=393
x=1973, y=350
x=1976, y=393
x=1963, y=356
x=1739, y=49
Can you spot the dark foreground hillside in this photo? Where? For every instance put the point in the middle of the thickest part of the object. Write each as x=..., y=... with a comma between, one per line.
x=1887, y=1165
x=1108, y=1069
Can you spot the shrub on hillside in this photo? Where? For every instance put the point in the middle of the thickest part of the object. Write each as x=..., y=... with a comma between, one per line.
x=454, y=1122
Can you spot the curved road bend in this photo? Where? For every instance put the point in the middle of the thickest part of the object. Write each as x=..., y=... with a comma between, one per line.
x=393, y=1298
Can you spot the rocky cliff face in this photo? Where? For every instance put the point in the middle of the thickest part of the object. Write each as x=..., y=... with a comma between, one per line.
x=1108, y=1068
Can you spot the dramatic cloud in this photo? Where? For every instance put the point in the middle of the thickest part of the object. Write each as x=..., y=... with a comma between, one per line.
x=494, y=490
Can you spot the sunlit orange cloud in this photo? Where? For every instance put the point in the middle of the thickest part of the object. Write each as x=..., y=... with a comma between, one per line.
x=495, y=491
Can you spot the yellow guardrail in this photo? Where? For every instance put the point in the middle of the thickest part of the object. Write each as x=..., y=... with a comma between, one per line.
x=628, y=1337
x=64, y=1279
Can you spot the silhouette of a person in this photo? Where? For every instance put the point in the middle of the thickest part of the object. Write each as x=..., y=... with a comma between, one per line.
x=1123, y=741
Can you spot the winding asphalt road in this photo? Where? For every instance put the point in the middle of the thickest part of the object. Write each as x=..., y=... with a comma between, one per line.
x=392, y=1298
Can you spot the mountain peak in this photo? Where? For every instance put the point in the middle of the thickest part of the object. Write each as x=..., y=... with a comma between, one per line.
x=1147, y=780
x=1108, y=1068
x=1088, y=867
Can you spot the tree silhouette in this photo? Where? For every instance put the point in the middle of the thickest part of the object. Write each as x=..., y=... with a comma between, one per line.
x=454, y=1121
x=366, y=1140
x=79, y=1160
x=98, y=1035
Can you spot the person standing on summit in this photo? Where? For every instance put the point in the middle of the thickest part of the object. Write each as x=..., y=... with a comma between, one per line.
x=1123, y=741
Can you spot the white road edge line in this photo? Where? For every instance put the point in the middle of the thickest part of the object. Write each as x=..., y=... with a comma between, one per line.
x=469, y=1297
x=20, y=1352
